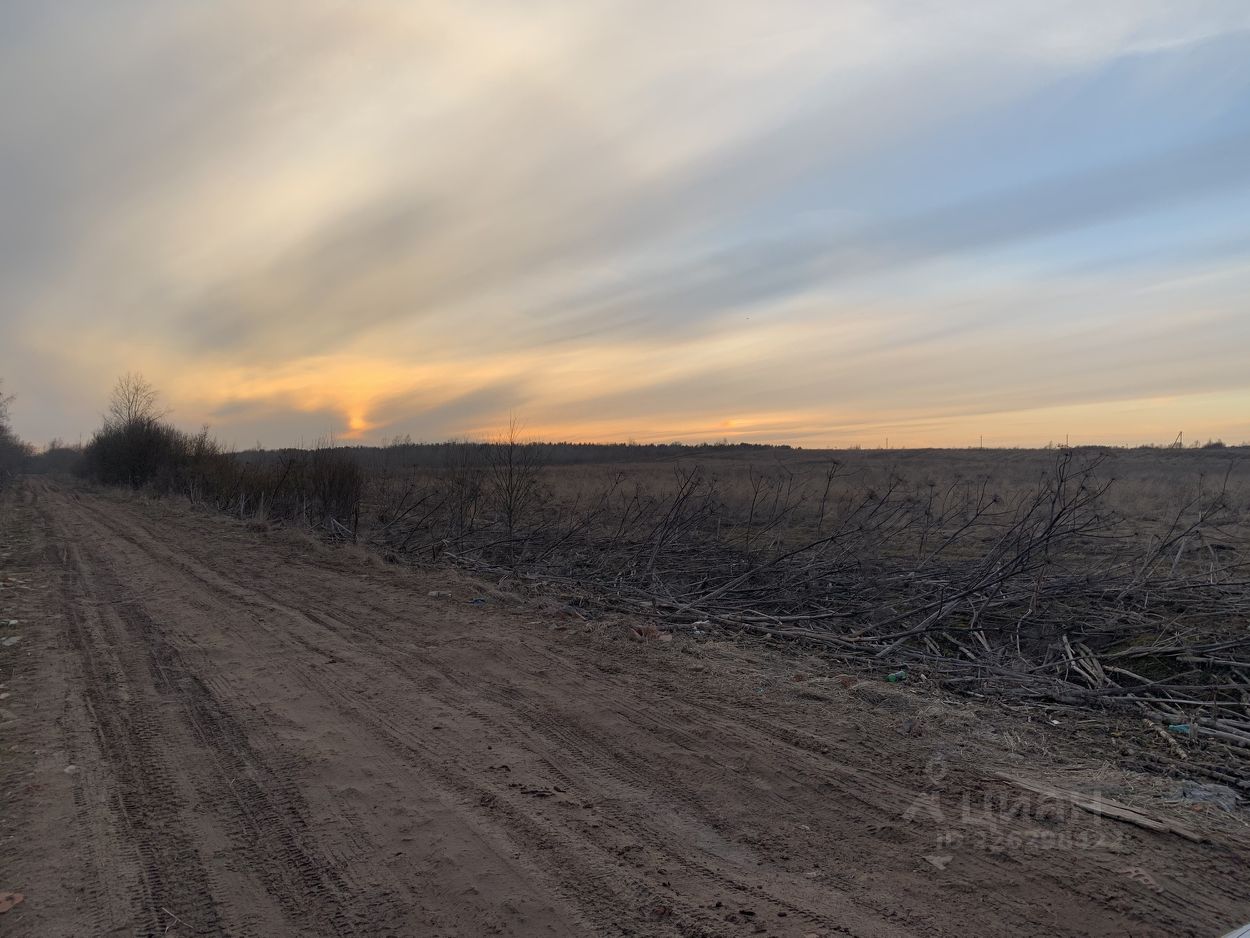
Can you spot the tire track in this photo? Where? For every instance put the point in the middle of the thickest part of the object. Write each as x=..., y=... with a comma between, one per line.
x=370, y=758
x=265, y=819
x=146, y=797
x=604, y=883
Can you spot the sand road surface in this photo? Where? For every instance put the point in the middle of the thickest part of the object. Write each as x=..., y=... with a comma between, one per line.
x=210, y=729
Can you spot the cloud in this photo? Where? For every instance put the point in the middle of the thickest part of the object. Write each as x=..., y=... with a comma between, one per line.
x=635, y=218
x=746, y=275
x=482, y=411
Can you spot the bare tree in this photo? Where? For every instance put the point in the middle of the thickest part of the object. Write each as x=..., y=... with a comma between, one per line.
x=5, y=401
x=461, y=478
x=133, y=401
x=12, y=450
x=513, y=468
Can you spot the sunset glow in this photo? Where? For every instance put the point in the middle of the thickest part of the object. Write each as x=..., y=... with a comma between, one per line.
x=819, y=224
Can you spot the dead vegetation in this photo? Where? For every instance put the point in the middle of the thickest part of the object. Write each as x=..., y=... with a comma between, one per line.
x=138, y=448
x=183, y=665
x=13, y=451
x=1029, y=577
x=1043, y=593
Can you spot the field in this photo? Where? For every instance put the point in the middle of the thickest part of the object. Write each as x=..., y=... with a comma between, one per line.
x=521, y=690
x=1081, y=577
x=451, y=484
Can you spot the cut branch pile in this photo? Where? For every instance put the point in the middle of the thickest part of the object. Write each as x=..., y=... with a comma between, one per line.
x=1048, y=596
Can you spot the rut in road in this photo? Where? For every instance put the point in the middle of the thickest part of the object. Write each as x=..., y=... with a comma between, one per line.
x=277, y=738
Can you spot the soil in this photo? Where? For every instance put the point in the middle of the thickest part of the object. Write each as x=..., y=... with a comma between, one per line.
x=217, y=728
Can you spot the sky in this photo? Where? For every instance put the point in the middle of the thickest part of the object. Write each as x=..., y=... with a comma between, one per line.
x=823, y=223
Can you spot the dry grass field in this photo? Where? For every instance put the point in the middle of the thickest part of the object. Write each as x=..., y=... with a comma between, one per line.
x=1075, y=576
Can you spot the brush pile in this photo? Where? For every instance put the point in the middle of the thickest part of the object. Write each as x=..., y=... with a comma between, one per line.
x=1046, y=596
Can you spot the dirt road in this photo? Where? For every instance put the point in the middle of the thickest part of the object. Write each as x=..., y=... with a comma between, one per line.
x=210, y=729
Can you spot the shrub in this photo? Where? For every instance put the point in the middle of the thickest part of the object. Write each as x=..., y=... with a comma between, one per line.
x=13, y=452
x=136, y=447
